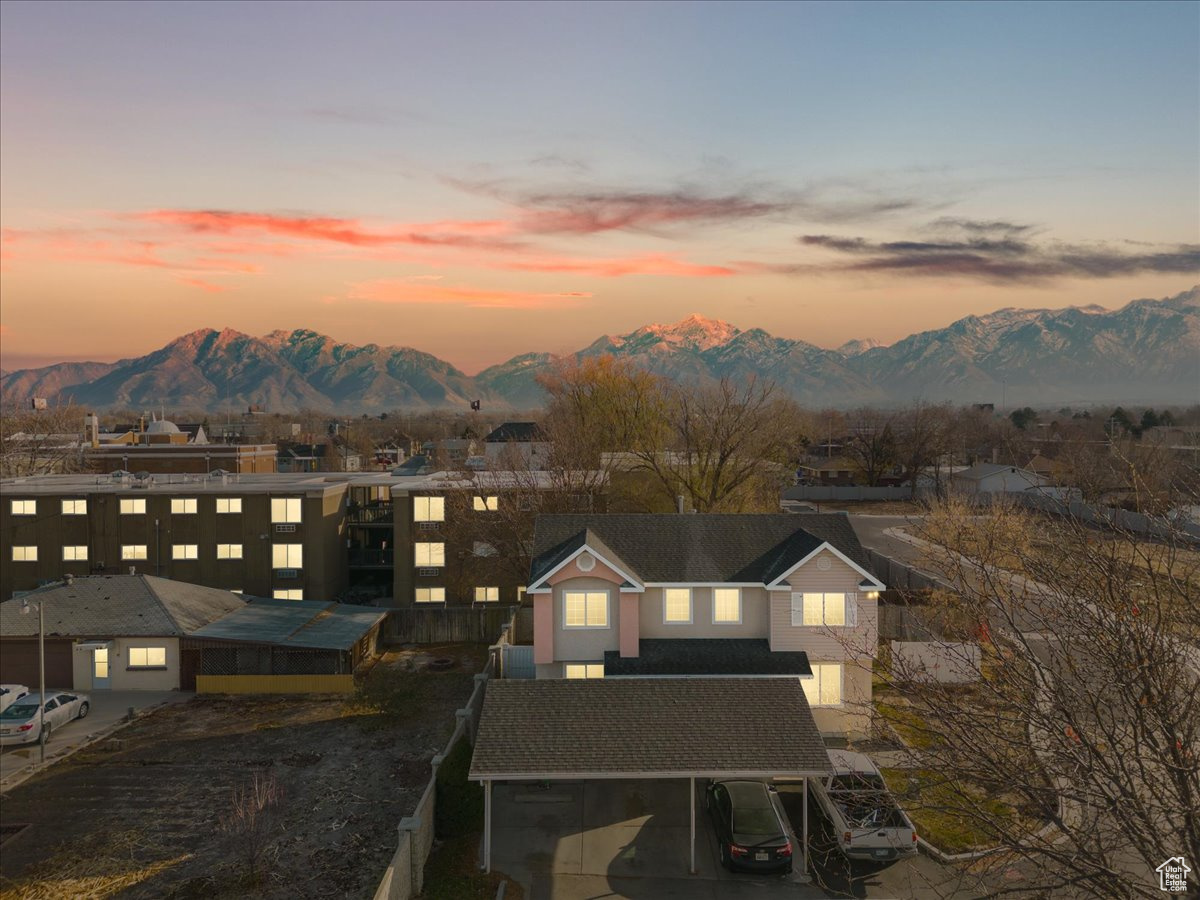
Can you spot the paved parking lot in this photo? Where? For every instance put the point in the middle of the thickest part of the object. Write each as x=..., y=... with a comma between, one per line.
x=107, y=709
x=610, y=839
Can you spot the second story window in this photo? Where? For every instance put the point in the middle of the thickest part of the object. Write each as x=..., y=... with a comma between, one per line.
x=134, y=551
x=229, y=551
x=285, y=510
x=287, y=556
x=229, y=505
x=585, y=609
x=183, y=506
x=677, y=606
x=133, y=506
x=27, y=553
x=812, y=609
x=429, y=555
x=430, y=595
x=487, y=595
x=185, y=551
x=23, y=507
x=74, y=507
x=487, y=504
x=429, y=509
x=75, y=553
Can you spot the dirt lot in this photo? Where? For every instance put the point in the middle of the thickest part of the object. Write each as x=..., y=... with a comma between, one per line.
x=147, y=815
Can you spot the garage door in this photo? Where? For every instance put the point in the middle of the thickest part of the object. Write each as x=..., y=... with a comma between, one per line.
x=19, y=663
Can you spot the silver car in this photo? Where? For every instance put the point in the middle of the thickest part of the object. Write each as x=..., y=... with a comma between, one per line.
x=10, y=694
x=21, y=724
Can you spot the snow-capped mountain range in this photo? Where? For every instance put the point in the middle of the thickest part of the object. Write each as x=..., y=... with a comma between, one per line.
x=1147, y=351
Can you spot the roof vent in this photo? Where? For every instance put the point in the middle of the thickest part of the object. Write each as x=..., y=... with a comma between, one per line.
x=586, y=562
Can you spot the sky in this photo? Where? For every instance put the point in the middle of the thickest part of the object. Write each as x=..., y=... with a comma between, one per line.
x=479, y=180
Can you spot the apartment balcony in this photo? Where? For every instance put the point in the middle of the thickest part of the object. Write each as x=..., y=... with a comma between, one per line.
x=379, y=514
x=365, y=558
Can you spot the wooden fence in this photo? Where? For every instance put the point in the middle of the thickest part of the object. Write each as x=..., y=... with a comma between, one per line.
x=445, y=625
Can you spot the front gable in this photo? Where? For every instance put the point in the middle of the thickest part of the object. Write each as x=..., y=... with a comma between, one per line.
x=822, y=564
x=586, y=562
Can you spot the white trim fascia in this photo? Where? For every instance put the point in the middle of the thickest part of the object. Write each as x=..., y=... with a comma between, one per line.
x=768, y=675
x=598, y=556
x=724, y=774
x=879, y=585
x=704, y=584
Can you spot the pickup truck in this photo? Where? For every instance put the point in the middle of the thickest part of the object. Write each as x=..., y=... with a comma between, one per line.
x=867, y=822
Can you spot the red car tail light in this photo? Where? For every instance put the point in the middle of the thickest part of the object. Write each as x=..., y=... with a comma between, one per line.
x=26, y=726
x=738, y=850
x=785, y=850
x=914, y=837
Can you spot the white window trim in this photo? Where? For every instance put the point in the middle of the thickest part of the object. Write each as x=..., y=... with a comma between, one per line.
x=146, y=665
x=286, y=518
x=849, y=609
x=429, y=564
x=691, y=599
x=486, y=588
x=713, y=600
x=184, y=503
x=74, y=510
x=138, y=504
x=22, y=510
x=76, y=548
x=607, y=612
x=288, y=550
x=428, y=515
x=25, y=557
x=229, y=554
x=229, y=501
x=177, y=558
x=841, y=667
x=135, y=549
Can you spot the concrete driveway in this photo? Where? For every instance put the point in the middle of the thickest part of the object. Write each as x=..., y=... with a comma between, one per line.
x=617, y=839
x=108, y=710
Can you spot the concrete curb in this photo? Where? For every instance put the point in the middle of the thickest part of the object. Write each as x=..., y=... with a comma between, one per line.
x=28, y=771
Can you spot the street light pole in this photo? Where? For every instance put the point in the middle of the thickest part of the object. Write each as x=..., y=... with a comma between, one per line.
x=25, y=607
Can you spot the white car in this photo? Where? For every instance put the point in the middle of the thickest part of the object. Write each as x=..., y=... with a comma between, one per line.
x=866, y=819
x=10, y=693
x=21, y=724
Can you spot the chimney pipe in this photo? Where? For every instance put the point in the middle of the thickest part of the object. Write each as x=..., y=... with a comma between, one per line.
x=133, y=570
x=679, y=503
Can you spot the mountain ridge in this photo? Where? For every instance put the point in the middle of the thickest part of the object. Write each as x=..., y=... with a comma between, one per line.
x=1148, y=349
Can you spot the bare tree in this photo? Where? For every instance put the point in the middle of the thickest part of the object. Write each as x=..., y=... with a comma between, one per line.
x=1085, y=716
x=251, y=815
x=923, y=440
x=42, y=441
x=872, y=444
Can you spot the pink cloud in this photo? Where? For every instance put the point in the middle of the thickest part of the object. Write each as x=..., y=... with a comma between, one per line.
x=394, y=290
x=205, y=285
x=645, y=264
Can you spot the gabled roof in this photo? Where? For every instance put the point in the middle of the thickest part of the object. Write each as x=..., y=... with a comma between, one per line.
x=646, y=727
x=980, y=471
x=119, y=605
x=295, y=623
x=522, y=432
x=679, y=549
x=706, y=656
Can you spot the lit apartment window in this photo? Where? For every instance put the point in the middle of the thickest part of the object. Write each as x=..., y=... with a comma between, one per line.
x=429, y=555
x=25, y=554
x=288, y=594
x=431, y=595
x=727, y=606
x=75, y=553
x=183, y=506
x=583, y=670
x=185, y=551
x=487, y=595
x=823, y=609
x=677, y=606
x=24, y=507
x=487, y=504
x=229, y=505
x=825, y=687
x=287, y=556
x=285, y=510
x=429, y=509
x=134, y=551
x=229, y=551
x=74, y=507
x=147, y=657
x=133, y=506
x=585, y=609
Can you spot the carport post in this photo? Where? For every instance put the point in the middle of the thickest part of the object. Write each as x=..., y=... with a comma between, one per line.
x=804, y=817
x=692, y=794
x=487, y=825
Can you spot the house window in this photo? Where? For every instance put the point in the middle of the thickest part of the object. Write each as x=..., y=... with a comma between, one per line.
x=134, y=551
x=147, y=657
x=288, y=594
x=583, y=670
x=430, y=555
x=823, y=609
x=431, y=595
x=75, y=553
x=487, y=595
x=185, y=551
x=727, y=606
x=24, y=507
x=229, y=505
x=429, y=509
x=585, y=609
x=285, y=510
x=825, y=687
x=487, y=504
x=231, y=551
x=482, y=548
x=677, y=606
x=74, y=507
x=183, y=506
x=287, y=556
x=133, y=506
x=25, y=554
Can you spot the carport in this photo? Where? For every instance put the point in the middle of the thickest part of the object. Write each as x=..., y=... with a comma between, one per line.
x=646, y=728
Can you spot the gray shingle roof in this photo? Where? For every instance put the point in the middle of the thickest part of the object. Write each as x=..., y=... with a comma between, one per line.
x=665, y=727
x=295, y=623
x=523, y=432
x=706, y=656
x=119, y=605
x=696, y=548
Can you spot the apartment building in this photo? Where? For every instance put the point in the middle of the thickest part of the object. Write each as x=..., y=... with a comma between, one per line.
x=267, y=535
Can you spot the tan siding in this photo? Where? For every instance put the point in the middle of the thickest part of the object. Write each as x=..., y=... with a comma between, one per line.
x=831, y=643
x=853, y=718
x=754, y=616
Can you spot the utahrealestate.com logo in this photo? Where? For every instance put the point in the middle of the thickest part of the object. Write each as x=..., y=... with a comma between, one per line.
x=1173, y=875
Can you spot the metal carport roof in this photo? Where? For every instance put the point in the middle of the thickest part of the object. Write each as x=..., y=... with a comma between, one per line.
x=295, y=623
